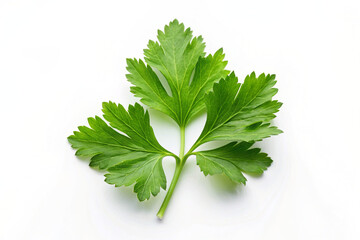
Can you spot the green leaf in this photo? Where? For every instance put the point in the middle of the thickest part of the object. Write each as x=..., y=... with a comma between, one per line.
x=233, y=159
x=243, y=113
x=177, y=56
x=208, y=71
x=179, y=79
x=135, y=123
x=146, y=171
x=148, y=87
x=138, y=152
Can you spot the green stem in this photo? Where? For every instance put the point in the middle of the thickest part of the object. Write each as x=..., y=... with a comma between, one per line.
x=182, y=142
x=180, y=162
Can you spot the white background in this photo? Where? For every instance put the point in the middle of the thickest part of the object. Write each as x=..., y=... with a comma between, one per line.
x=60, y=59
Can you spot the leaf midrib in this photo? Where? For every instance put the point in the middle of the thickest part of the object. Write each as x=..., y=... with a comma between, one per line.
x=121, y=146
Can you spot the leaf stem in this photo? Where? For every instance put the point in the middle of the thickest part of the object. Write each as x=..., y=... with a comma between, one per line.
x=182, y=142
x=180, y=162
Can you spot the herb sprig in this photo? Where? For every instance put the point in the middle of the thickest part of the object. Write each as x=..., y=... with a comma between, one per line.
x=126, y=146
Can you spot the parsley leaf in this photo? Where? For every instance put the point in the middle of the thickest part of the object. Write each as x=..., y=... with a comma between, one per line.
x=126, y=146
x=243, y=113
x=233, y=159
x=138, y=154
x=177, y=55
